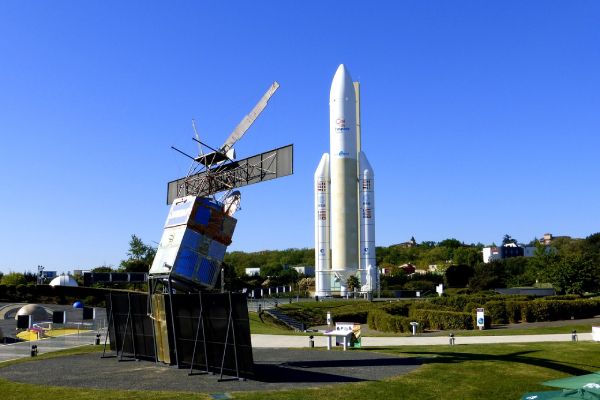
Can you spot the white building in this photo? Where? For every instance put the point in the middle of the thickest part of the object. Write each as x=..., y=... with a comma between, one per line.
x=252, y=271
x=507, y=250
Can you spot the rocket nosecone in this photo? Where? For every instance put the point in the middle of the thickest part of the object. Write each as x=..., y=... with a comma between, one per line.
x=322, y=225
x=343, y=168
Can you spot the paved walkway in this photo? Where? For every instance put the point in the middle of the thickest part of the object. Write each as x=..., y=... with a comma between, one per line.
x=23, y=349
x=290, y=341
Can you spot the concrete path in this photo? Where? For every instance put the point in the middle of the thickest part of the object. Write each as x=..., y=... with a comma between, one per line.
x=290, y=341
x=23, y=349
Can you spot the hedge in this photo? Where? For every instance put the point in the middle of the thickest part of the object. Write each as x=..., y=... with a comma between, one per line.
x=401, y=308
x=380, y=320
x=442, y=320
x=351, y=316
x=554, y=310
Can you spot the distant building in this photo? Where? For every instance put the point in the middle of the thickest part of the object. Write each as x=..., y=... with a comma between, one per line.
x=252, y=271
x=507, y=250
x=434, y=268
x=548, y=238
x=307, y=270
x=49, y=274
x=411, y=243
x=408, y=268
x=63, y=280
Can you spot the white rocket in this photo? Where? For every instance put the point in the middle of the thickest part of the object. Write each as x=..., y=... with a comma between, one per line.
x=344, y=199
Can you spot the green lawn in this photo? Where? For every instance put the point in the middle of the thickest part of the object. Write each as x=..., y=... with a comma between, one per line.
x=459, y=372
x=264, y=326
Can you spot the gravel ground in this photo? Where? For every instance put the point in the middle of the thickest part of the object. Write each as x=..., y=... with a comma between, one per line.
x=275, y=369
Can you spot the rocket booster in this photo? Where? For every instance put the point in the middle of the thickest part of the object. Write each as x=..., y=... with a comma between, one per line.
x=341, y=225
x=366, y=187
x=322, y=218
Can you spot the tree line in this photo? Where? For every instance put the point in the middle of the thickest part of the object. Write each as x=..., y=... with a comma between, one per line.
x=571, y=266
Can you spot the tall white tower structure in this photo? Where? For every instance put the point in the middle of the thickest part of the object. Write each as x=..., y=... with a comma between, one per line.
x=344, y=199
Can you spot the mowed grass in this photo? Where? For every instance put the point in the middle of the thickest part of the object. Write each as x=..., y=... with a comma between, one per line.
x=266, y=327
x=503, y=371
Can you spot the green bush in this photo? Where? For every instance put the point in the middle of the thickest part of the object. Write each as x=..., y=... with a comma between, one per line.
x=351, y=316
x=442, y=320
x=496, y=310
x=426, y=305
x=380, y=320
x=513, y=311
x=401, y=308
x=460, y=302
x=554, y=310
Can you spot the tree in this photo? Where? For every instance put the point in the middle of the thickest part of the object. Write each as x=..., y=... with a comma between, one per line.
x=140, y=255
x=458, y=275
x=352, y=283
x=13, y=279
x=573, y=274
x=103, y=268
x=507, y=239
x=138, y=250
x=467, y=255
x=488, y=276
x=450, y=243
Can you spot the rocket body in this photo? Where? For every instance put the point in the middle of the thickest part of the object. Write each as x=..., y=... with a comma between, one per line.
x=350, y=233
x=343, y=162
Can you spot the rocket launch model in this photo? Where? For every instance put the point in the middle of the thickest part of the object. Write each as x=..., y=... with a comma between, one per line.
x=344, y=199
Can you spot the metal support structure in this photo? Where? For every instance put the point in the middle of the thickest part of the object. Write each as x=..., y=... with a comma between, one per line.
x=231, y=325
x=200, y=324
x=132, y=332
x=111, y=322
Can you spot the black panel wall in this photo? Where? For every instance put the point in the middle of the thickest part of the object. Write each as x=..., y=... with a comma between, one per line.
x=130, y=326
x=215, y=307
x=134, y=336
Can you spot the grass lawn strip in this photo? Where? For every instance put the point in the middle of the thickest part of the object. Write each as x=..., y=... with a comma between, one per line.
x=503, y=371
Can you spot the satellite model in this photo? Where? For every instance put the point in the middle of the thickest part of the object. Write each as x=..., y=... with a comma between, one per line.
x=180, y=321
x=200, y=226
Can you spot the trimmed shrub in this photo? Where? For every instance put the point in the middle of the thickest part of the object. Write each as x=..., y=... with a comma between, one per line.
x=426, y=305
x=513, y=311
x=554, y=310
x=442, y=320
x=400, y=308
x=351, y=316
x=380, y=320
x=496, y=311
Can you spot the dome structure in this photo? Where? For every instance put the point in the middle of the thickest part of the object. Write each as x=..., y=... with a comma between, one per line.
x=63, y=280
x=37, y=312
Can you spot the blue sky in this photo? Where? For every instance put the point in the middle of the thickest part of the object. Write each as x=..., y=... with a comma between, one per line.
x=479, y=118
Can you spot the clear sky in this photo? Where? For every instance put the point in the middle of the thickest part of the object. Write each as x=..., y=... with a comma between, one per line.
x=480, y=118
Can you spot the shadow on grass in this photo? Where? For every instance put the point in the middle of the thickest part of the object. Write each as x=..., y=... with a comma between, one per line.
x=310, y=370
x=448, y=357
